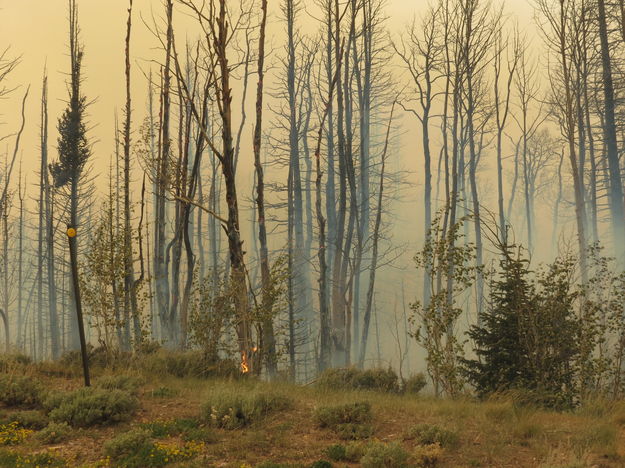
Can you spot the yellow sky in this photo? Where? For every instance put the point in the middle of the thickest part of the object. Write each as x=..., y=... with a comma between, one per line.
x=37, y=30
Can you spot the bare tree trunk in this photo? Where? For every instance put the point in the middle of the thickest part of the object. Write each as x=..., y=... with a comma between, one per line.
x=615, y=193
x=374, y=259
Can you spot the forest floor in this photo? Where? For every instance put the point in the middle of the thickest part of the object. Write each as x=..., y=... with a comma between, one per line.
x=489, y=434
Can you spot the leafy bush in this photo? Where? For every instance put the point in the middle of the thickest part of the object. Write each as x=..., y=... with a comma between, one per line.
x=379, y=455
x=349, y=421
x=127, y=383
x=91, y=406
x=231, y=411
x=428, y=434
x=54, y=433
x=427, y=456
x=129, y=443
x=20, y=390
x=383, y=380
x=415, y=383
x=350, y=413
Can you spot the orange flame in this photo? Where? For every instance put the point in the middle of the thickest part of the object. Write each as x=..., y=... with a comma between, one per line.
x=244, y=367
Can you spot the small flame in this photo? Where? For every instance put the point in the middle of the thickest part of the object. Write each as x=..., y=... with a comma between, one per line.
x=244, y=367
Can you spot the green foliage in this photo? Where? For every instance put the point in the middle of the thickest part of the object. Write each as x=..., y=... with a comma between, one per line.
x=135, y=449
x=91, y=406
x=527, y=339
x=335, y=452
x=378, y=454
x=28, y=419
x=349, y=421
x=136, y=442
x=11, y=459
x=414, y=384
x=20, y=390
x=428, y=434
x=449, y=261
x=232, y=411
x=54, y=433
x=383, y=380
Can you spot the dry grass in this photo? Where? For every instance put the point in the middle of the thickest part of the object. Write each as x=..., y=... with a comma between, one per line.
x=490, y=434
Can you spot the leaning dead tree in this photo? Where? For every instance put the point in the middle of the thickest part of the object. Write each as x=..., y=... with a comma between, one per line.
x=215, y=21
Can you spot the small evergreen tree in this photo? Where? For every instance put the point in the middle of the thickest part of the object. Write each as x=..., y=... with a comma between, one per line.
x=527, y=339
x=501, y=362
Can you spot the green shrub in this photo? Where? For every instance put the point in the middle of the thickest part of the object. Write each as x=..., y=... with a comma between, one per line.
x=349, y=421
x=351, y=431
x=378, y=379
x=20, y=390
x=350, y=413
x=54, y=433
x=28, y=419
x=231, y=411
x=336, y=452
x=428, y=434
x=415, y=383
x=379, y=455
x=127, y=383
x=91, y=406
x=128, y=443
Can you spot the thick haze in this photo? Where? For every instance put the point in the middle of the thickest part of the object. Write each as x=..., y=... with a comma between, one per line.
x=37, y=30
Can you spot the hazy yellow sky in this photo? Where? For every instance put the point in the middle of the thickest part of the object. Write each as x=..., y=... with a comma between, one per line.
x=37, y=30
